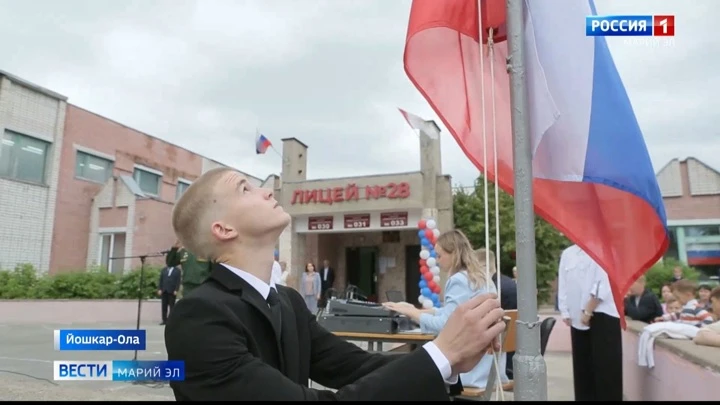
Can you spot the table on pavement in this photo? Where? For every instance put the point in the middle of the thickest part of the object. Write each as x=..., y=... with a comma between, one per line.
x=375, y=340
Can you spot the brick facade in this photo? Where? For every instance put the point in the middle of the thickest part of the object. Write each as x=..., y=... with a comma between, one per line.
x=690, y=190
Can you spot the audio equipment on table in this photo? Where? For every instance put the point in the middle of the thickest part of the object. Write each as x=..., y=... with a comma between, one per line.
x=350, y=315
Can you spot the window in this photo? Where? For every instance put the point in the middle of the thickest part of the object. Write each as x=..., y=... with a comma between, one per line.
x=111, y=252
x=707, y=230
x=181, y=187
x=22, y=157
x=93, y=168
x=148, y=182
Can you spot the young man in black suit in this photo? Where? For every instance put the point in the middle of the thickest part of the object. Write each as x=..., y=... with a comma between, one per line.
x=168, y=287
x=243, y=338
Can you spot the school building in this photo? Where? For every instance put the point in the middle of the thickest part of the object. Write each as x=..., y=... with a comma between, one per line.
x=691, y=193
x=78, y=190
x=366, y=227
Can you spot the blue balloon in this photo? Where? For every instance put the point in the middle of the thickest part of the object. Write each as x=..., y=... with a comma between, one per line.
x=422, y=284
x=421, y=234
x=435, y=298
x=426, y=292
x=432, y=253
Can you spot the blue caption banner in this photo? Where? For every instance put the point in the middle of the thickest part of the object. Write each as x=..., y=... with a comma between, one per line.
x=118, y=370
x=619, y=25
x=99, y=339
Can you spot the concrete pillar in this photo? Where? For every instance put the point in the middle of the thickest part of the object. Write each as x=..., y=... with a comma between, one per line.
x=294, y=169
x=430, y=166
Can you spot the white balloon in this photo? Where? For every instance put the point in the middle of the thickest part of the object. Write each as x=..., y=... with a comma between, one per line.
x=436, y=232
x=436, y=279
x=421, y=299
x=424, y=254
x=435, y=270
x=427, y=304
x=430, y=224
x=431, y=262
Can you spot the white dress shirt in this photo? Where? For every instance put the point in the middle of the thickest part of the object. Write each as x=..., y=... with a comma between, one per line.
x=276, y=276
x=580, y=278
x=441, y=362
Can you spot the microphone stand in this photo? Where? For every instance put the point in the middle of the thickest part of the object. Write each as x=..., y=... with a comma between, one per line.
x=141, y=284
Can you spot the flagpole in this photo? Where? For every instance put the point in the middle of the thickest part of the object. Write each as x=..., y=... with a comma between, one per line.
x=529, y=369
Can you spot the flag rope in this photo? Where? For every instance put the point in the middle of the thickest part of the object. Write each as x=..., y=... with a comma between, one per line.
x=488, y=279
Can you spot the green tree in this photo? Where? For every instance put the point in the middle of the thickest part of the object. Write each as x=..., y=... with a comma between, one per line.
x=469, y=216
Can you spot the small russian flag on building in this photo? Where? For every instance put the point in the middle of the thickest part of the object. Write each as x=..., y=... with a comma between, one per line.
x=261, y=144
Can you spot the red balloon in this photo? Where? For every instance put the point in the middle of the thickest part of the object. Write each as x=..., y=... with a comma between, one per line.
x=421, y=224
x=424, y=269
x=436, y=290
x=428, y=276
x=432, y=285
x=429, y=234
x=422, y=262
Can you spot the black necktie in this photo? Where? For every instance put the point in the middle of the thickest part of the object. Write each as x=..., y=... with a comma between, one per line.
x=273, y=301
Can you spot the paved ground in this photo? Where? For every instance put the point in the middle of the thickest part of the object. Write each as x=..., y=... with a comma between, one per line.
x=27, y=353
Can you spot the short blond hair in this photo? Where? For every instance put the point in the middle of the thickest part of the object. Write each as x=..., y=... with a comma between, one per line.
x=190, y=215
x=480, y=253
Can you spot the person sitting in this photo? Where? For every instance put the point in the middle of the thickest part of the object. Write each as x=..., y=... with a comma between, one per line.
x=709, y=335
x=642, y=304
x=692, y=312
x=467, y=278
x=244, y=338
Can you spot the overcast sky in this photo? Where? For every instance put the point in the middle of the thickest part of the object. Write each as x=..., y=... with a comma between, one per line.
x=204, y=74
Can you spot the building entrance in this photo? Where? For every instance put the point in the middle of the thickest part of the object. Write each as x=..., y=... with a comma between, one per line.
x=412, y=273
x=361, y=264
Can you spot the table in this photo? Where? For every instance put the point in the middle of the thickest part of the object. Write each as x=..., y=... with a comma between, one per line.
x=376, y=340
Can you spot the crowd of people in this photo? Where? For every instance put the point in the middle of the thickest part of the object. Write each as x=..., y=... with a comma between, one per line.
x=681, y=300
x=240, y=329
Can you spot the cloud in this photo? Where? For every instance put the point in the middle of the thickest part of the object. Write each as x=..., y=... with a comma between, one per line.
x=205, y=74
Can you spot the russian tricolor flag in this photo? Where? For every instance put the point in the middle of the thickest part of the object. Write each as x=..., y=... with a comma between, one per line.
x=261, y=144
x=594, y=180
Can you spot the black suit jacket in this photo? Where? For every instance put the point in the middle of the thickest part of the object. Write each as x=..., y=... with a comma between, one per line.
x=223, y=332
x=508, y=291
x=170, y=283
x=325, y=285
x=646, y=310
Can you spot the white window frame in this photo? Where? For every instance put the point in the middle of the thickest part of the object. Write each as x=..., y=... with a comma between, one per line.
x=98, y=155
x=111, y=251
x=177, y=189
x=149, y=170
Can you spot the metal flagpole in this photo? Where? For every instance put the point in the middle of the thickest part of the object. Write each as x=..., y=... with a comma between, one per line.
x=529, y=369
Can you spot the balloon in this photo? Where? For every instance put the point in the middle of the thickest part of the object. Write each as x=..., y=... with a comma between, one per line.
x=424, y=254
x=430, y=223
x=424, y=241
x=436, y=233
x=435, y=297
x=431, y=262
x=436, y=279
x=428, y=304
x=421, y=299
x=421, y=262
x=428, y=276
x=424, y=269
x=426, y=292
x=432, y=285
x=436, y=290
x=421, y=224
x=421, y=234
x=422, y=284
x=428, y=233
x=435, y=270
x=432, y=253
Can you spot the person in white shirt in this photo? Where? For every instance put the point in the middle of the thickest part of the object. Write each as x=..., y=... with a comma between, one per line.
x=586, y=305
x=243, y=338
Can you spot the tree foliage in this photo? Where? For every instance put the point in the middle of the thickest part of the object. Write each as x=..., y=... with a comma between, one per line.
x=469, y=215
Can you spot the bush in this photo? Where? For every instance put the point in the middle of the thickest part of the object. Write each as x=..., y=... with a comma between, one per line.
x=662, y=273
x=96, y=283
